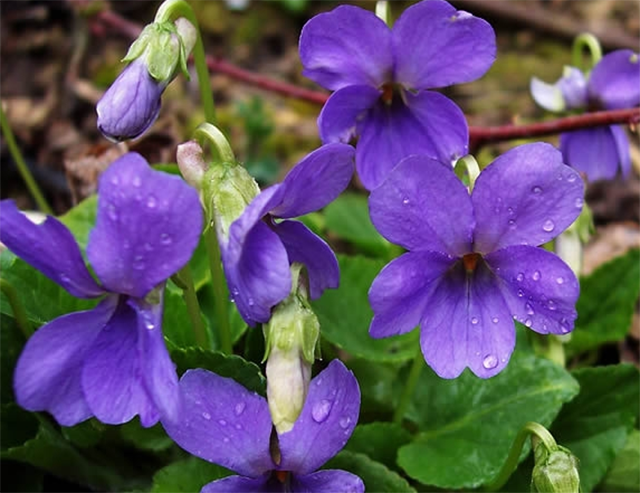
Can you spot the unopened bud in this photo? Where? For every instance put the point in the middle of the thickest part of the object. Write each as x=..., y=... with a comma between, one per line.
x=191, y=162
x=555, y=471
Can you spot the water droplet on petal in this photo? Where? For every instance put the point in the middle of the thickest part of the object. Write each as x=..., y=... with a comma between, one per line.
x=151, y=201
x=490, y=362
x=560, y=280
x=165, y=239
x=225, y=440
x=115, y=180
x=138, y=262
x=112, y=213
x=520, y=293
x=136, y=181
x=474, y=321
x=405, y=201
x=579, y=203
x=528, y=322
x=529, y=309
x=206, y=416
x=64, y=279
x=238, y=426
x=520, y=277
x=536, y=276
x=318, y=381
x=551, y=304
x=239, y=409
x=495, y=320
x=222, y=422
x=548, y=225
x=148, y=247
x=536, y=189
x=571, y=177
x=251, y=302
x=321, y=410
x=344, y=421
x=512, y=224
x=510, y=210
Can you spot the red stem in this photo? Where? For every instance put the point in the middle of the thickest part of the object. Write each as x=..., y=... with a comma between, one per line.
x=478, y=136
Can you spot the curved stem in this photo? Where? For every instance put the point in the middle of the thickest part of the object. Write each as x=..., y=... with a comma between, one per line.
x=530, y=428
x=19, y=313
x=220, y=293
x=218, y=141
x=589, y=41
x=172, y=9
x=409, y=388
x=32, y=186
x=473, y=170
x=193, y=307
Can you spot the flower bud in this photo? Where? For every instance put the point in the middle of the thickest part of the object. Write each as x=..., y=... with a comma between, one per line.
x=191, y=162
x=555, y=471
x=291, y=339
x=132, y=103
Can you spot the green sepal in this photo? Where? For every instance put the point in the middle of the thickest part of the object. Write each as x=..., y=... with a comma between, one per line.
x=556, y=471
x=140, y=44
x=163, y=52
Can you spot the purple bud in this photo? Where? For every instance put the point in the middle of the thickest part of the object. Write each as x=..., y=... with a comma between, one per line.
x=131, y=104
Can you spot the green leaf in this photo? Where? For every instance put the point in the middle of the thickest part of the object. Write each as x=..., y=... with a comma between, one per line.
x=468, y=424
x=595, y=425
x=378, y=387
x=187, y=476
x=153, y=439
x=348, y=217
x=17, y=426
x=85, y=434
x=81, y=219
x=379, y=441
x=345, y=315
x=624, y=473
x=17, y=477
x=376, y=476
x=230, y=366
x=606, y=304
x=11, y=341
x=176, y=323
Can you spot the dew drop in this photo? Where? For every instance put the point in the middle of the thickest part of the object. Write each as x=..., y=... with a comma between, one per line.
x=138, y=262
x=560, y=280
x=529, y=309
x=64, y=279
x=344, y=422
x=528, y=322
x=206, y=416
x=520, y=293
x=490, y=362
x=571, y=177
x=222, y=422
x=136, y=181
x=548, y=225
x=239, y=409
x=512, y=224
x=165, y=239
x=474, y=321
x=238, y=426
x=225, y=440
x=405, y=201
x=115, y=180
x=536, y=190
x=536, y=276
x=235, y=292
x=318, y=381
x=495, y=320
x=579, y=203
x=510, y=210
x=151, y=202
x=251, y=302
x=520, y=277
x=551, y=304
x=112, y=213
x=321, y=411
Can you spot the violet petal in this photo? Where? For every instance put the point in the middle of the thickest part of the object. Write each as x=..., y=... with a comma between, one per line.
x=240, y=484
x=467, y=324
x=413, y=207
x=224, y=423
x=347, y=46
x=343, y=111
x=48, y=373
x=540, y=289
x=593, y=151
x=401, y=290
x=428, y=124
x=326, y=422
x=436, y=46
x=615, y=80
x=48, y=247
x=327, y=481
x=148, y=225
x=306, y=247
x=527, y=196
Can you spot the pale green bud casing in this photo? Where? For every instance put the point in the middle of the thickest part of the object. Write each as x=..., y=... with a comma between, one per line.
x=555, y=471
x=193, y=167
x=291, y=338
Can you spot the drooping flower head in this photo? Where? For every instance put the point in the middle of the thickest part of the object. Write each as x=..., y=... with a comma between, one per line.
x=473, y=263
x=109, y=362
x=614, y=83
x=224, y=423
x=132, y=103
x=262, y=243
x=380, y=76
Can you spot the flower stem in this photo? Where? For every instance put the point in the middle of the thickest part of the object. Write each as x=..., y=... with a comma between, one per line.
x=34, y=190
x=530, y=428
x=471, y=166
x=218, y=141
x=19, y=313
x=589, y=41
x=193, y=307
x=172, y=9
x=220, y=294
x=409, y=388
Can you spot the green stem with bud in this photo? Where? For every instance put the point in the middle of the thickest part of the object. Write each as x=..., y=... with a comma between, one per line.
x=19, y=313
x=409, y=388
x=32, y=186
x=582, y=41
x=538, y=432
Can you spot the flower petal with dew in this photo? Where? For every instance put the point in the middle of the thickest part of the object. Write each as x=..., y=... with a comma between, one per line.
x=224, y=423
x=473, y=262
x=109, y=362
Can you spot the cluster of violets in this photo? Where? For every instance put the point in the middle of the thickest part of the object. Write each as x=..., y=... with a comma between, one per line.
x=472, y=261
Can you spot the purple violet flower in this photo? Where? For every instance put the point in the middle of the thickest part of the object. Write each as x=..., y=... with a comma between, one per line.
x=131, y=104
x=261, y=247
x=472, y=263
x=224, y=423
x=380, y=76
x=109, y=362
x=614, y=83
